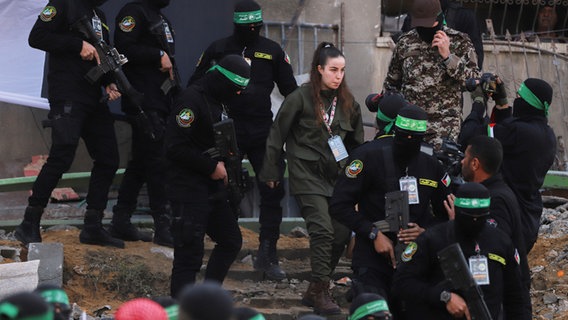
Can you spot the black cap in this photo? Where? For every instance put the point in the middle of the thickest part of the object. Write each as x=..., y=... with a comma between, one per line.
x=411, y=119
x=25, y=305
x=206, y=301
x=254, y=16
x=368, y=304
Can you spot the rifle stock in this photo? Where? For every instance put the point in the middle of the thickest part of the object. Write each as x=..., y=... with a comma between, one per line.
x=456, y=271
x=112, y=61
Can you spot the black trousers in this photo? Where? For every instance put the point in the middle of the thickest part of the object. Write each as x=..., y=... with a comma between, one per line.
x=191, y=222
x=69, y=122
x=147, y=165
x=270, y=209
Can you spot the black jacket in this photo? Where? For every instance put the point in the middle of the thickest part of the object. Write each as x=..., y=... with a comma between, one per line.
x=189, y=134
x=419, y=280
x=529, y=147
x=55, y=32
x=269, y=64
x=136, y=36
x=366, y=180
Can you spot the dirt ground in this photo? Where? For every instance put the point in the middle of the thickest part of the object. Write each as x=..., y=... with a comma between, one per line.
x=96, y=276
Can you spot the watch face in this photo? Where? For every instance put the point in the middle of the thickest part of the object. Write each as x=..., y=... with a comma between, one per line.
x=445, y=296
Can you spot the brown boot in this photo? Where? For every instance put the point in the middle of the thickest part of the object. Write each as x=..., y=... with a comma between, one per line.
x=319, y=297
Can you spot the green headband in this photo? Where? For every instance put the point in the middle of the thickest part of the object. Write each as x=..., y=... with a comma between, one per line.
x=172, y=311
x=368, y=309
x=411, y=124
x=258, y=317
x=381, y=116
x=472, y=203
x=11, y=311
x=247, y=17
x=532, y=99
x=55, y=296
x=235, y=78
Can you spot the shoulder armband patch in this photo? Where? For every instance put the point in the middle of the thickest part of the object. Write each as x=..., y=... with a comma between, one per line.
x=127, y=24
x=354, y=168
x=48, y=13
x=185, y=118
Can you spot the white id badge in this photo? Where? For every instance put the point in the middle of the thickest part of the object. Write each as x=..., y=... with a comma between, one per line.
x=168, y=33
x=337, y=148
x=479, y=269
x=97, y=27
x=410, y=185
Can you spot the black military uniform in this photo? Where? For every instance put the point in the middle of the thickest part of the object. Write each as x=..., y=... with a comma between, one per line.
x=420, y=280
x=529, y=147
x=76, y=111
x=252, y=113
x=374, y=170
x=199, y=203
x=144, y=36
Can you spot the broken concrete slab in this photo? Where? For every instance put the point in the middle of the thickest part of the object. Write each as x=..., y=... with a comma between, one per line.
x=17, y=277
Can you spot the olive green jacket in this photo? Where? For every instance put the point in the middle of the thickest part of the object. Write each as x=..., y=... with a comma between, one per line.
x=312, y=167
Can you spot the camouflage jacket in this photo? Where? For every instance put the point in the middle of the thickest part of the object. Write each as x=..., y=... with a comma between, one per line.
x=418, y=72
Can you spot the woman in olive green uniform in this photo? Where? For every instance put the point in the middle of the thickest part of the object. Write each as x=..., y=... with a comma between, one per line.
x=320, y=122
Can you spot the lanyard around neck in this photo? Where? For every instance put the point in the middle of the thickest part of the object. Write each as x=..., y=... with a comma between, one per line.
x=331, y=115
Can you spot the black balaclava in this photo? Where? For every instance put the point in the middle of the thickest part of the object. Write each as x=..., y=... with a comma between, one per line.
x=426, y=34
x=206, y=301
x=472, y=209
x=159, y=3
x=409, y=129
x=224, y=85
x=535, y=95
x=25, y=305
x=97, y=3
x=247, y=27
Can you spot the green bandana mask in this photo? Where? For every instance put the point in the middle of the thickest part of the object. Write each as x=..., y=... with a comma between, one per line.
x=411, y=124
x=247, y=17
x=55, y=296
x=527, y=95
x=235, y=78
x=472, y=203
x=173, y=312
x=369, y=309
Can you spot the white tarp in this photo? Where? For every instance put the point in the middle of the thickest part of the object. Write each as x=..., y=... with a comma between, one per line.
x=21, y=67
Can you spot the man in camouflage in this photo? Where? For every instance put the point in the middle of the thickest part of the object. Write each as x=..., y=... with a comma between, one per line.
x=429, y=66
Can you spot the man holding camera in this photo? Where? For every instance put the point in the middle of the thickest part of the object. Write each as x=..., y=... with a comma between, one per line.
x=429, y=65
x=529, y=144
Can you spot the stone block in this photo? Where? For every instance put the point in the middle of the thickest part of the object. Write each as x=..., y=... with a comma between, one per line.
x=50, y=256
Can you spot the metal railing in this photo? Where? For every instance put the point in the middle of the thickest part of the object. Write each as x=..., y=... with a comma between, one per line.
x=300, y=40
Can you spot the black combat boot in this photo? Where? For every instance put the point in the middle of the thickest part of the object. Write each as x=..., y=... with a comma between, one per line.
x=28, y=231
x=122, y=228
x=94, y=233
x=162, y=230
x=267, y=260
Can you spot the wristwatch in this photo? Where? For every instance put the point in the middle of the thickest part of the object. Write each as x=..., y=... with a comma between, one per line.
x=162, y=52
x=374, y=232
x=445, y=296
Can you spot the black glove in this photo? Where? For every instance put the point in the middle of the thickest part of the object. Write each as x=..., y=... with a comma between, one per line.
x=500, y=95
x=478, y=108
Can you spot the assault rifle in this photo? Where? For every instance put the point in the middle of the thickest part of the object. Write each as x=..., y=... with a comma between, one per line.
x=111, y=62
x=168, y=84
x=455, y=270
x=396, y=217
x=226, y=149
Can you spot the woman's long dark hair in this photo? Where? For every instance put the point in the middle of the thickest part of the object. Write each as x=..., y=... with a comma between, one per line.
x=324, y=51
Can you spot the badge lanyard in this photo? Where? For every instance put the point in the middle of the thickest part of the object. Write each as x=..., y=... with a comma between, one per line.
x=167, y=31
x=479, y=267
x=409, y=184
x=335, y=143
x=97, y=25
